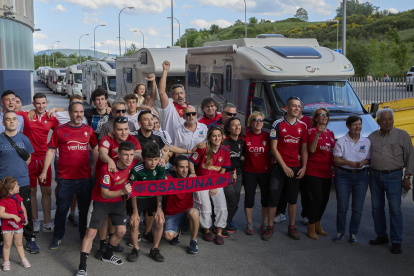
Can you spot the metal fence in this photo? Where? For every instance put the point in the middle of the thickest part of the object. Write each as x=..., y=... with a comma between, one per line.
x=375, y=90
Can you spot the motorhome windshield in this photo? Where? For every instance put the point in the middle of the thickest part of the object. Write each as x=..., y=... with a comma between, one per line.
x=112, y=65
x=336, y=96
x=78, y=78
x=112, y=83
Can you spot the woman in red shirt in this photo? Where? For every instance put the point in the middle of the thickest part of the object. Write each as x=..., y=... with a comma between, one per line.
x=257, y=169
x=319, y=174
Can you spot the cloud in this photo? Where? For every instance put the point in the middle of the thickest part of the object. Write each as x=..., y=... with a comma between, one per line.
x=59, y=9
x=38, y=35
x=149, y=31
x=392, y=10
x=140, y=6
x=114, y=45
x=185, y=15
x=92, y=20
x=39, y=47
x=201, y=23
x=233, y=5
x=185, y=6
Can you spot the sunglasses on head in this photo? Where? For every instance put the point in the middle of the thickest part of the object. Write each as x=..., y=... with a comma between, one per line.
x=121, y=119
x=323, y=114
x=230, y=114
x=258, y=120
x=188, y=114
x=293, y=98
x=120, y=110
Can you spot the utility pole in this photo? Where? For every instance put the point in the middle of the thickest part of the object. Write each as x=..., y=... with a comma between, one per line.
x=344, y=27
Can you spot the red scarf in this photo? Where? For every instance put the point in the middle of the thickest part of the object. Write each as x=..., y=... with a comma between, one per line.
x=180, y=109
x=18, y=201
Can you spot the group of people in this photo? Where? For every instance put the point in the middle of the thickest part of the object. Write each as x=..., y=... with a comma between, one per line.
x=99, y=154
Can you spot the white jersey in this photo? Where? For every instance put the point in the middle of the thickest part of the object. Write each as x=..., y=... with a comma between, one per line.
x=172, y=120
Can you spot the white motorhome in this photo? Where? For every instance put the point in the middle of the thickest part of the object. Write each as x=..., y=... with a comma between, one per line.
x=74, y=80
x=99, y=72
x=56, y=78
x=260, y=74
x=132, y=70
x=44, y=73
x=39, y=71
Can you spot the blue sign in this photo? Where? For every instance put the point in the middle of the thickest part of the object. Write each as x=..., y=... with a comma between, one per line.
x=338, y=50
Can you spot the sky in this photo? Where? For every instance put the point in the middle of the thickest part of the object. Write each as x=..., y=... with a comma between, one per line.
x=67, y=20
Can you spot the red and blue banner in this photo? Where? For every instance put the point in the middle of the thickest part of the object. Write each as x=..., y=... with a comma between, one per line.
x=181, y=185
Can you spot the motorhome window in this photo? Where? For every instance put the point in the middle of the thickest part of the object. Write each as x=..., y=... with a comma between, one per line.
x=216, y=83
x=112, y=65
x=88, y=70
x=336, y=96
x=60, y=78
x=228, y=78
x=144, y=58
x=295, y=52
x=63, y=71
x=193, y=75
x=112, y=83
x=128, y=75
x=78, y=78
x=104, y=83
x=260, y=101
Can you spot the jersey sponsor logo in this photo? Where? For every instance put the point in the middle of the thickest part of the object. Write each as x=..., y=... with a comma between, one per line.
x=234, y=154
x=195, y=155
x=211, y=168
x=327, y=148
x=117, y=178
x=106, y=179
x=75, y=145
x=291, y=139
x=362, y=149
x=273, y=133
x=201, y=133
x=249, y=143
x=257, y=149
x=106, y=144
x=284, y=130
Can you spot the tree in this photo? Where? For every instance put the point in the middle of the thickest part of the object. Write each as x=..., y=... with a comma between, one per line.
x=129, y=51
x=238, y=22
x=356, y=7
x=265, y=21
x=214, y=29
x=301, y=14
x=399, y=53
x=253, y=20
x=393, y=35
x=360, y=56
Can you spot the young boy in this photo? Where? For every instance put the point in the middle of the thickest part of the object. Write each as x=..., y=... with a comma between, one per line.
x=109, y=203
x=132, y=111
x=144, y=171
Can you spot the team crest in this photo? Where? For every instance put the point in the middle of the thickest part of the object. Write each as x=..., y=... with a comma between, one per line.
x=154, y=141
x=300, y=130
x=106, y=179
x=86, y=134
x=239, y=146
x=132, y=177
x=154, y=173
x=264, y=143
x=220, y=159
x=45, y=121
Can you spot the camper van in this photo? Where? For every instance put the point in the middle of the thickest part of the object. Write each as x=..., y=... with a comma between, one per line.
x=74, y=80
x=39, y=72
x=44, y=73
x=56, y=77
x=133, y=69
x=99, y=72
x=260, y=74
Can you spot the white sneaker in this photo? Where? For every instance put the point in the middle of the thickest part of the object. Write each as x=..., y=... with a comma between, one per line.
x=282, y=217
x=48, y=227
x=277, y=218
x=36, y=226
x=305, y=221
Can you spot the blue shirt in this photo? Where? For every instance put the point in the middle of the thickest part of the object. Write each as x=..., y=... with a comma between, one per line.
x=19, y=126
x=11, y=164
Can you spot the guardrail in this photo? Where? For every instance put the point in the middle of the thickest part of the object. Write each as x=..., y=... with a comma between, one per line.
x=377, y=90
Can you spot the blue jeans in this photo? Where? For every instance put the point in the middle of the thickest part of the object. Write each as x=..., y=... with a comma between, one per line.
x=347, y=183
x=390, y=185
x=66, y=189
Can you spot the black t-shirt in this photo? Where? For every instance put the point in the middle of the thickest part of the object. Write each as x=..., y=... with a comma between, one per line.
x=236, y=152
x=96, y=120
x=155, y=137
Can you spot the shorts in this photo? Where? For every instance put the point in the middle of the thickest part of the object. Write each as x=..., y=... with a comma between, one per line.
x=99, y=210
x=144, y=204
x=178, y=221
x=35, y=170
x=278, y=180
x=18, y=231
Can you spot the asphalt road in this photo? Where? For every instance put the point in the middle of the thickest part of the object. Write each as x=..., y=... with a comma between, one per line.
x=241, y=254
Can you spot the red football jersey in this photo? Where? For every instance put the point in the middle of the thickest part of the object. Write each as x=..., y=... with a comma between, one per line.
x=307, y=120
x=178, y=203
x=37, y=131
x=290, y=137
x=321, y=161
x=72, y=143
x=114, y=181
x=221, y=159
x=111, y=144
x=256, y=152
x=10, y=207
x=204, y=120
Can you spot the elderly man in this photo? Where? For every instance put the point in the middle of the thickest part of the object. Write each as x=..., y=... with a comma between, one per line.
x=391, y=150
x=229, y=110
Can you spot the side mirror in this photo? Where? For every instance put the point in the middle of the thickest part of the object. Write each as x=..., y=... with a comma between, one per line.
x=374, y=108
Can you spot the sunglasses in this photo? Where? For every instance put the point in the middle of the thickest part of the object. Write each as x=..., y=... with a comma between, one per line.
x=230, y=114
x=120, y=110
x=323, y=114
x=293, y=98
x=188, y=114
x=258, y=120
x=121, y=119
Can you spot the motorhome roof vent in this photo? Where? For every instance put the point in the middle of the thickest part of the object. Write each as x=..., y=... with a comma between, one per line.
x=295, y=52
x=269, y=36
x=173, y=47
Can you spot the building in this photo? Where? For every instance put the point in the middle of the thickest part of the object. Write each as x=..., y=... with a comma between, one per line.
x=16, y=47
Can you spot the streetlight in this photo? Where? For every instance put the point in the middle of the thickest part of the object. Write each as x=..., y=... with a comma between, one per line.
x=94, y=52
x=344, y=27
x=172, y=23
x=337, y=30
x=125, y=44
x=79, y=48
x=135, y=31
x=106, y=46
x=179, y=30
x=53, y=52
x=245, y=19
x=119, y=25
x=190, y=29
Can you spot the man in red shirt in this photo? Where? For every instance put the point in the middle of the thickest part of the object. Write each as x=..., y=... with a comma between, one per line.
x=288, y=138
x=179, y=211
x=209, y=107
x=37, y=130
x=107, y=201
x=73, y=140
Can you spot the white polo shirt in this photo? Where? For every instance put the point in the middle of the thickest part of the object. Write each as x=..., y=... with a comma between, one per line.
x=347, y=149
x=133, y=119
x=172, y=119
x=186, y=139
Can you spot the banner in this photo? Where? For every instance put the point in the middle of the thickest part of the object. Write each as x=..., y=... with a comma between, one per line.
x=181, y=185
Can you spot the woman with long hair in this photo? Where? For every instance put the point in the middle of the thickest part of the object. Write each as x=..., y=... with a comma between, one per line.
x=213, y=159
x=319, y=174
x=257, y=169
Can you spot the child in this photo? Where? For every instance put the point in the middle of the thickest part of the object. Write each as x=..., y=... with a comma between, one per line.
x=139, y=91
x=14, y=218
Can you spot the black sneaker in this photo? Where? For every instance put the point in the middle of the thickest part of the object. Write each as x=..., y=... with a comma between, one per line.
x=133, y=256
x=148, y=237
x=156, y=255
x=99, y=254
x=176, y=240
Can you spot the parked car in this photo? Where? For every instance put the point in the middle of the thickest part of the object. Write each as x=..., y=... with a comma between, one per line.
x=410, y=79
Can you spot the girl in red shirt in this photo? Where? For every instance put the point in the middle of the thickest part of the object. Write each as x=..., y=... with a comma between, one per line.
x=319, y=174
x=257, y=169
x=13, y=218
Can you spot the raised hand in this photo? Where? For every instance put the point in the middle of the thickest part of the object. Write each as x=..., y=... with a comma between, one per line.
x=166, y=65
